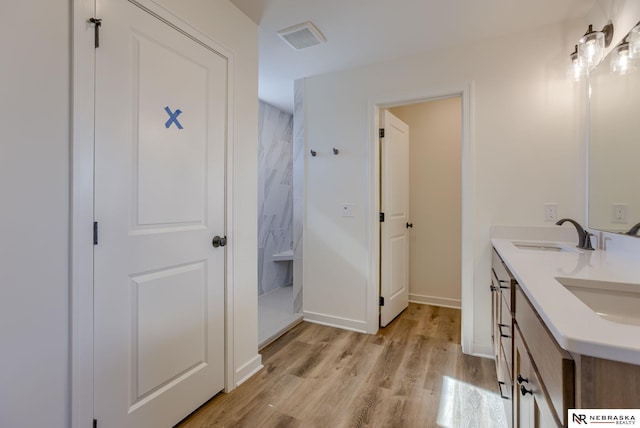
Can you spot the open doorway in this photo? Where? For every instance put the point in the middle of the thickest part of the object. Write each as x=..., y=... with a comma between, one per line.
x=276, y=313
x=440, y=272
x=435, y=200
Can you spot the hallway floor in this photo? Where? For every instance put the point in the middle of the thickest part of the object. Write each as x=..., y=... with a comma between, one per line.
x=411, y=374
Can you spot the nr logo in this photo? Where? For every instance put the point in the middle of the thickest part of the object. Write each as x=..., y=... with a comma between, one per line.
x=579, y=418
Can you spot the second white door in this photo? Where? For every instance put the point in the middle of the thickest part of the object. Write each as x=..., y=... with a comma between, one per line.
x=394, y=203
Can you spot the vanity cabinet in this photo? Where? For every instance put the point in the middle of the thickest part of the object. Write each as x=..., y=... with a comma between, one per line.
x=538, y=379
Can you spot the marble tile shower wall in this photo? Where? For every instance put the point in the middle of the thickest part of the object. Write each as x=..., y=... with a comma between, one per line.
x=275, y=216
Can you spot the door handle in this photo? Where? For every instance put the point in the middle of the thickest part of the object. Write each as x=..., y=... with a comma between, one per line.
x=409, y=225
x=218, y=241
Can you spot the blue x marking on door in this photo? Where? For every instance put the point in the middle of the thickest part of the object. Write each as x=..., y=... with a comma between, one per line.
x=173, y=117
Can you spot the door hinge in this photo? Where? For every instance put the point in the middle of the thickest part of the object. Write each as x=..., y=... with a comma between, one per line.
x=97, y=23
x=381, y=301
x=381, y=217
x=95, y=233
x=381, y=132
x=95, y=423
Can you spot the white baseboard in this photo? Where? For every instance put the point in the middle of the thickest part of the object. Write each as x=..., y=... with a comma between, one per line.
x=331, y=321
x=435, y=301
x=249, y=369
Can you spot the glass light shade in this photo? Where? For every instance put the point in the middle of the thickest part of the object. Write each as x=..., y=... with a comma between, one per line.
x=634, y=42
x=591, y=49
x=576, y=70
x=621, y=62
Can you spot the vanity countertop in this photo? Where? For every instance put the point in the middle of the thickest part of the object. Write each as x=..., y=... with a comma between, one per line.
x=573, y=324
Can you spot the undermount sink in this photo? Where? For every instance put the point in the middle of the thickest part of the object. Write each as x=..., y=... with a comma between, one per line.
x=613, y=301
x=545, y=246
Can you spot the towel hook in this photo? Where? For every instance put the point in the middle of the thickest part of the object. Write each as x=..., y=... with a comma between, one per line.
x=335, y=151
x=313, y=153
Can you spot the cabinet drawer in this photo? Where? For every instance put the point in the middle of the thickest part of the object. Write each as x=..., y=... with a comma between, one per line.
x=552, y=363
x=505, y=280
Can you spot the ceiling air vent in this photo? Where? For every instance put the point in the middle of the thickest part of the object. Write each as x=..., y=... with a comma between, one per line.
x=302, y=35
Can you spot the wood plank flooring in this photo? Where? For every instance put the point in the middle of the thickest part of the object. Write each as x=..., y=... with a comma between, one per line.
x=411, y=374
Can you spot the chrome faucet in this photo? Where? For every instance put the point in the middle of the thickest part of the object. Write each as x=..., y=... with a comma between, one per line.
x=584, y=237
x=634, y=230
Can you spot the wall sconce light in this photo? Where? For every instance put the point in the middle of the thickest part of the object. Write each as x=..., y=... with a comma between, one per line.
x=576, y=69
x=592, y=45
x=621, y=61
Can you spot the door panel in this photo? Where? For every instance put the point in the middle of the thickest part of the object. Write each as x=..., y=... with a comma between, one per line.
x=168, y=304
x=171, y=158
x=160, y=138
x=394, y=243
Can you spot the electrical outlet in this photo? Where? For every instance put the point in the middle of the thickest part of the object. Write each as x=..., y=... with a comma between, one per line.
x=619, y=213
x=550, y=212
x=346, y=210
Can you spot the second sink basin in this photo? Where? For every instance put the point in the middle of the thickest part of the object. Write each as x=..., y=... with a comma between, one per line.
x=613, y=301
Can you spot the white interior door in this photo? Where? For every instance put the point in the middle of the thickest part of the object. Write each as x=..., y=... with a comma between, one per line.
x=160, y=137
x=394, y=202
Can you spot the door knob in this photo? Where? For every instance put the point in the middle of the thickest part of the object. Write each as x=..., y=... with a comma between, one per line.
x=218, y=241
x=409, y=225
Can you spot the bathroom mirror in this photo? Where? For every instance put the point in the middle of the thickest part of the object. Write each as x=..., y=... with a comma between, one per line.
x=614, y=148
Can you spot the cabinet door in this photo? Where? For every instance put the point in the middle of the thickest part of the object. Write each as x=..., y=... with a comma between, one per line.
x=522, y=403
x=531, y=407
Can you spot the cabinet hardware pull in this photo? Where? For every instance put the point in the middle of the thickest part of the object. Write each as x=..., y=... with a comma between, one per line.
x=525, y=391
x=500, y=383
x=522, y=379
x=500, y=328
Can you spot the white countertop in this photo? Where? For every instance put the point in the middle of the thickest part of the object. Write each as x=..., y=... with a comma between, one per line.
x=573, y=324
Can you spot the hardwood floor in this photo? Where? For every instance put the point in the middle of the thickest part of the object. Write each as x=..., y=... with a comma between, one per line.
x=411, y=374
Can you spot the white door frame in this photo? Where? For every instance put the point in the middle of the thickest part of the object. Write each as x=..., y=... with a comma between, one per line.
x=82, y=197
x=465, y=91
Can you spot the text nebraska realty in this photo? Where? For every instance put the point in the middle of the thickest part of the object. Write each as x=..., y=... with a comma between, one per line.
x=612, y=419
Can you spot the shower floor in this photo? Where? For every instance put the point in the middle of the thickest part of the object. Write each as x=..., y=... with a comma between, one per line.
x=275, y=314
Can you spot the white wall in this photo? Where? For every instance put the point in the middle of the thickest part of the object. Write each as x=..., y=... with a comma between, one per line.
x=35, y=117
x=34, y=231
x=527, y=137
x=435, y=195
